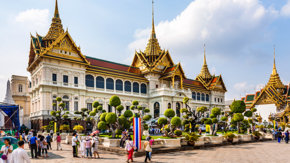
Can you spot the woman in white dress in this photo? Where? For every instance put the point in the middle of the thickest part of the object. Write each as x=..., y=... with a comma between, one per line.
x=95, y=146
x=83, y=147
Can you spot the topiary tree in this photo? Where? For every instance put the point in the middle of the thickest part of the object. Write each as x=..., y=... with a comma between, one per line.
x=174, y=122
x=143, y=115
x=191, y=115
x=61, y=112
x=238, y=108
x=213, y=120
x=115, y=101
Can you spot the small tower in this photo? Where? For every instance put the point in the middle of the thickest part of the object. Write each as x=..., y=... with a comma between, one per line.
x=260, y=118
x=8, y=97
x=204, y=73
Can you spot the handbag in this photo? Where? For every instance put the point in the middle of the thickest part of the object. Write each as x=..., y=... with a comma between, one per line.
x=93, y=145
x=4, y=157
x=148, y=148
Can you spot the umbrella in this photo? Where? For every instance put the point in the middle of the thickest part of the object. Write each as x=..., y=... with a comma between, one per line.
x=95, y=132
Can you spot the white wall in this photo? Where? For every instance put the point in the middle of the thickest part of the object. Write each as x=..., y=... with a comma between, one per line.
x=265, y=110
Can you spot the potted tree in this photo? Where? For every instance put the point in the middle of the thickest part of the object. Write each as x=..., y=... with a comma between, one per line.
x=191, y=138
x=257, y=135
x=64, y=128
x=78, y=128
x=230, y=136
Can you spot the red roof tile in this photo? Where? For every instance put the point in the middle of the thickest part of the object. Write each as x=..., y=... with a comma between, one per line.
x=107, y=64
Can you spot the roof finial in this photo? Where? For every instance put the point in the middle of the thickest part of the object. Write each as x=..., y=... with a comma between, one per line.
x=153, y=28
x=204, y=58
x=56, y=14
x=274, y=65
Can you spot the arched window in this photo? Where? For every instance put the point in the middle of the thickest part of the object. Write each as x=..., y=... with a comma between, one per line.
x=127, y=86
x=193, y=95
x=143, y=88
x=207, y=97
x=89, y=81
x=169, y=106
x=214, y=99
x=20, y=88
x=156, y=109
x=221, y=100
x=198, y=96
x=177, y=109
x=65, y=97
x=218, y=99
x=202, y=97
x=135, y=87
x=100, y=82
x=110, y=83
x=119, y=85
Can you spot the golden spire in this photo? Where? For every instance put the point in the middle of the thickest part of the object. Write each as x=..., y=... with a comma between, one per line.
x=56, y=28
x=204, y=73
x=274, y=78
x=153, y=49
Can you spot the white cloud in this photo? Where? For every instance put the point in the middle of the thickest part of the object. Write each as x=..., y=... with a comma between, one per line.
x=34, y=17
x=227, y=26
x=243, y=86
x=285, y=10
x=213, y=70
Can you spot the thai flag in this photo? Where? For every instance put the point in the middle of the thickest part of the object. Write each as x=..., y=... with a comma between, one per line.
x=137, y=132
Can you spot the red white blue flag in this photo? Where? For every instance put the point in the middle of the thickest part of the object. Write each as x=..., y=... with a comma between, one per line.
x=137, y=132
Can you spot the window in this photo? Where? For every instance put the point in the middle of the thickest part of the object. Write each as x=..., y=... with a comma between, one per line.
x=207, y=97
x=177, y=109
x=66, y=105
x=202, y=97
x=76, y=98
x=110, y=83
x=127, y=107
x=156, y=86
x=221, y=100
x=89, y=81
x=143, y=88
x=89, y=106
x=119, y=85
x=36, y=80
x=100, y=82
x=76, y=80
x=156, y=110
x=20, y=88
x=135, y=87
x=109, y=108
x=65, y=78
x=54, y=79
x=169, y=106
x=127, y=86
x=54, y=96
x=54, y=107
x=193, y=95
x=76, y=106
x=65, y=97
x=214, y=99
x=198, y=96
x=218, y=99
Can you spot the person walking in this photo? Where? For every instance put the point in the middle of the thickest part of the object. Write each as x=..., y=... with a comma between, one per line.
x=58, y=142
x=147, y=148
x=43, y=144
x=286, y=137
x=6, y=151
x=19, y=155
x=95, y=146
x=23, y=136
x=123, y=137
x=279, y=136
x=48, y=140
x=200, y=131
x=151, y=140
x=83, y=147
x=88, y=147
x=33, y=146
x=274, y=134
x=29, y=137
x=74, y=145
x=39, y=145
x=130, y=149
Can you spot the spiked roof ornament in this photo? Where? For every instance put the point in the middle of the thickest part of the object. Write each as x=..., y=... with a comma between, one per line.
x=204, y=73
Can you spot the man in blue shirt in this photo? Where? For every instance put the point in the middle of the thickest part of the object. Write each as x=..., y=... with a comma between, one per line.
x=33, y=145
x=48, y=142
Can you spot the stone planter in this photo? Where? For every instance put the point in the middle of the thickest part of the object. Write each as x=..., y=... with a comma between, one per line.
x=206, y=139
x=111, y=142
x=230, y=140
x=216, y=139
x=172, y=143
x=245, y=138
x=158, y=143
x=256, y=137
x=236, y=139
x=200, y=142
x=189, y=143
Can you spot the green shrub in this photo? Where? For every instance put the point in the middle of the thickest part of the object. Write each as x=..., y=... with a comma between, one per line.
x=175, y=121
x=100, y=107
x=201, y=109
x=145, y=127
x=248, y=114
x=111, y=118
x=147, y=117
x=253, y=110
x=214, y=120
x=185, y=116
x=132, y=107
x=119, y=132
x=230, y=135
x=96, y=104
x=103, y=117
x=238, y=106
x=53, y=113
x=102, y=125
x=93, y=113
x=224, y=118
x=208, y=122
x=216, y=111
x=126, y=125
x=138, y=115
x=192, y=137
x=183, y=110
x=104, y=111
x=178, y=132
x=84, y=109
x=139, y=108
x=212, y=116
x=114, y=101
x=128, y=113
x=162, y=121
x=203, y=120
x=135, y=103
x=122, y=119
x=146, y=110
x=62, y=105
x=169, y=113
x=187, y=126
x=120, y=108
x=238, y=117
x=58, y=99
x=184, y=122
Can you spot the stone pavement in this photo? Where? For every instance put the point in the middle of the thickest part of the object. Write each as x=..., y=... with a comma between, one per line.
x=260, y=152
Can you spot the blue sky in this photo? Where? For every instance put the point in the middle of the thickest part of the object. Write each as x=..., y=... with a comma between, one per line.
x=239, y=34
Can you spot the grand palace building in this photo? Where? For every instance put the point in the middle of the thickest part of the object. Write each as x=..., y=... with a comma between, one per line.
x=59, y=69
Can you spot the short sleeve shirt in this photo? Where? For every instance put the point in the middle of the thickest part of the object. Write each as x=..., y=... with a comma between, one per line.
x=74, y=139
x=4, y=149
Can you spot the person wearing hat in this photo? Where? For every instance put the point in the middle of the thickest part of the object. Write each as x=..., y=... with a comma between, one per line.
x=88, y=147
x=95, y=148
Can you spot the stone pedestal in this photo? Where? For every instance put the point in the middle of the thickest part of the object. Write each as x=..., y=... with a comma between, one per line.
x=111, y=142
x=172, y=143
x=216, y=139
x=245, y=138
x=68, y=140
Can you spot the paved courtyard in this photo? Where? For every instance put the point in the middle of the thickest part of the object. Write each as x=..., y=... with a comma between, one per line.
x=262, y=152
